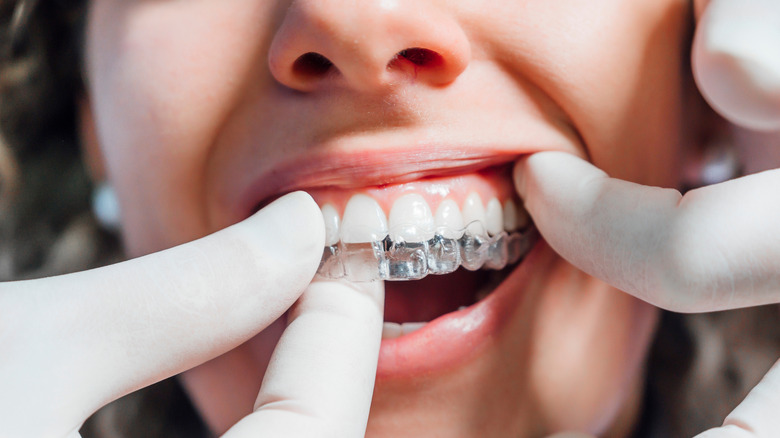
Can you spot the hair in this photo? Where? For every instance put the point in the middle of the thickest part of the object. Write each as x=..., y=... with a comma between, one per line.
x=700, y=366
x=46, y=224
x=44, y=187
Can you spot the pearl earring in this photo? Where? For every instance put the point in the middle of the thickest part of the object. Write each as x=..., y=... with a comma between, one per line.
x=105, y=206
x=717, y=164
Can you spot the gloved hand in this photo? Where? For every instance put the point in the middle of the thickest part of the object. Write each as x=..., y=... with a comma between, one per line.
x=73, y=343
x=715, y=248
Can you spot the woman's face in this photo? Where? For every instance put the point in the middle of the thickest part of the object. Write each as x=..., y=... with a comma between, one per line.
x=204, y=110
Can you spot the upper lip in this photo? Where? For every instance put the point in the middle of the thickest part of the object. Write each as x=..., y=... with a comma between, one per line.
x=370, y=169
x=335, y=167
x=371, y=158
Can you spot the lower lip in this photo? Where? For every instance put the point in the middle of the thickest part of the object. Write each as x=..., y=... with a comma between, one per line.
x=454, y=339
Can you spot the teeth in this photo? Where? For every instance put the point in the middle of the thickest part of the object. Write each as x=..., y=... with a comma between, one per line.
x=364, y=221
x=411, y=327
x=494, y=217
x=364, y=247
x=510, y=215
x=392, y=330
x=449, y=220
x=411, y=220
x=473, y=211
x=332, y=220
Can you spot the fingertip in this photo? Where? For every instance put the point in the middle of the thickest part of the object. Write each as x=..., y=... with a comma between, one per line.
x=532, y=172
x=518, y=175
x=291, y=227
x=300, y=211
x=735, y=63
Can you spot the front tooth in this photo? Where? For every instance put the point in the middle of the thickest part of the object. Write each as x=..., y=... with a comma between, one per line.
x=494, y=217
x=411, y=219
x=364, y=221
x=474, y=210
x=510, y=215
x=331, y=218
x=449, y=220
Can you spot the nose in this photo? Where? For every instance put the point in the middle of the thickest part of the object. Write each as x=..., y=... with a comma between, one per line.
x=367, y=44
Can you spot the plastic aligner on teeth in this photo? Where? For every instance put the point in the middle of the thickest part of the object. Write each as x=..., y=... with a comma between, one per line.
x=386, y=259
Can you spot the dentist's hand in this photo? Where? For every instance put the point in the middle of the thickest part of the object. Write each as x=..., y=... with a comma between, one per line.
x=71, y=344
x=716, y=248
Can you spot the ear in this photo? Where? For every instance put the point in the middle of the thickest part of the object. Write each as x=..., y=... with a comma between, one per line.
x=90, y=145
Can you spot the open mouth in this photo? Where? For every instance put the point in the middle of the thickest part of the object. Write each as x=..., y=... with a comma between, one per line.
x=442, y=243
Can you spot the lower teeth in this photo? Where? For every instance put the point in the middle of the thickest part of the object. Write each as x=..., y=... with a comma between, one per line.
x=388, y=260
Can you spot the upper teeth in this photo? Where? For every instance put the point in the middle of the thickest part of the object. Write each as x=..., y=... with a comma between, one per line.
x=449, y=219
x=364, y=221
x=365, y=246
x=332, y=224
x=411, y=219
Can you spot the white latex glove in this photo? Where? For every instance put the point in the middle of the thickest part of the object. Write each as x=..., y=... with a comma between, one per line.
x=736, y=61
x=73, y=343
x=716, y=248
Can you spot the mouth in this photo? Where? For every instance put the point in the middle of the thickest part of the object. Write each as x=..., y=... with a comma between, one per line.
x=444, y=245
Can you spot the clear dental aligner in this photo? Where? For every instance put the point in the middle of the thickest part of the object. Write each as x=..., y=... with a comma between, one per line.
x=413, y=242
x=388, y=259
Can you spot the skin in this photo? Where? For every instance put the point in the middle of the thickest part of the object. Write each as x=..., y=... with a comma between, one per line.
x=190, y=102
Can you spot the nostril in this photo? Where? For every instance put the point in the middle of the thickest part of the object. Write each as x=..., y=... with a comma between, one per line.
x=312, y=64
x=421, y=57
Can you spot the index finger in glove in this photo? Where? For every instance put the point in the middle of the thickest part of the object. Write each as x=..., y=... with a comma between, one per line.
x=75, y=342
x=716, y=248
x=321, y=376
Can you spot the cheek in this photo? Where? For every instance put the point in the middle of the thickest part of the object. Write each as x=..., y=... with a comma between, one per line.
x=619, y=72
x=632, y=118
x=162, y=84
x=590, y=341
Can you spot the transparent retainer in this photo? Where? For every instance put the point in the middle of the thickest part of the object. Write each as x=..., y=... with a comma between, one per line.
x=386, y=259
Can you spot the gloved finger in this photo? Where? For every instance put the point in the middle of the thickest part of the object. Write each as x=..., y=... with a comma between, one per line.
x=321, y=376
x=75, y=342
x=716, y=248
x=756, y=416
x=736, y=63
